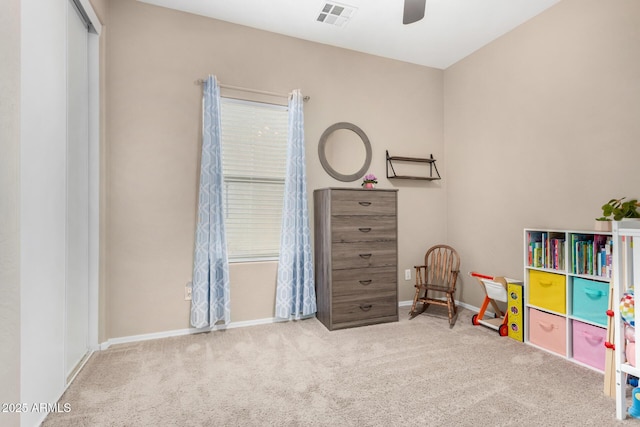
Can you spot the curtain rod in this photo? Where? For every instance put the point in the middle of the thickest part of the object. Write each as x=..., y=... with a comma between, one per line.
x=261, y=92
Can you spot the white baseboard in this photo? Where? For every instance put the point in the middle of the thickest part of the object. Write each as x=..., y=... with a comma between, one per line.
x=78, y=368
x=188, y=331
x=458, y=303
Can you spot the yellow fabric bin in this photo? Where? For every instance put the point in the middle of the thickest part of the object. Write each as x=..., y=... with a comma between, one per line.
x=548, y=291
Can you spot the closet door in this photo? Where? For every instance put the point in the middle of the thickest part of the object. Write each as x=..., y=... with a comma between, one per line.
x=77, y=222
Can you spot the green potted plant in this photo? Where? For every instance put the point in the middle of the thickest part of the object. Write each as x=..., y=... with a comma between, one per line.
x=616, y=210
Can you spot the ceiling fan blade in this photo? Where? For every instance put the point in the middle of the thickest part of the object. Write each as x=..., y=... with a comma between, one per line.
x=413, y=11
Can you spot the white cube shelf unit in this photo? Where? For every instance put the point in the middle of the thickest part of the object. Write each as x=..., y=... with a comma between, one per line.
x=567, y=275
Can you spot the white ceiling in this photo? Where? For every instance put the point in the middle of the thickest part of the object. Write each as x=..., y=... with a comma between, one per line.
x=450, y=30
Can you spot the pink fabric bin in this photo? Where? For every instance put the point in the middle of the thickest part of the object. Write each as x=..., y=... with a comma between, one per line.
x=548, y=331
x=588, y=344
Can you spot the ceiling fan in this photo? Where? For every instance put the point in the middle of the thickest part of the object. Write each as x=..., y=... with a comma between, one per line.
x=413, y=11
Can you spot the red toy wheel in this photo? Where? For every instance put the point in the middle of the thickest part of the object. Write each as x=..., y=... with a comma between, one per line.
x=474, y=320
x=503, y=330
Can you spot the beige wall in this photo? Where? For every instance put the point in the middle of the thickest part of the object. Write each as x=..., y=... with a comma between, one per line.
x=101, y=8
x=532, y=123
x=9, y=207
x=541, y=128
x=153, y=131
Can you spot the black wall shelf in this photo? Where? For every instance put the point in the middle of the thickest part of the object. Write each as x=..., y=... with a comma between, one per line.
x=430, y=161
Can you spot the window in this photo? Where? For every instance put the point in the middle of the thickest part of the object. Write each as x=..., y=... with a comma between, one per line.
x=254, y=152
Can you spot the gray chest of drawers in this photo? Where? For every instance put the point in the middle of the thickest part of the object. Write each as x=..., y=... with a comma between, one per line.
x=356, y=256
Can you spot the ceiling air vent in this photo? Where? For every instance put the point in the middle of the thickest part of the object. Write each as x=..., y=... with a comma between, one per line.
x=336, y=14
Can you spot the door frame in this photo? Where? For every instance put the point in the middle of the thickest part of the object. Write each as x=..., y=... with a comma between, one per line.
x=93, y=69
x=95, y=29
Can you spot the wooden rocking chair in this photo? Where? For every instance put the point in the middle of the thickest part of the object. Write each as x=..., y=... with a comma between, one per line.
x=437, y=276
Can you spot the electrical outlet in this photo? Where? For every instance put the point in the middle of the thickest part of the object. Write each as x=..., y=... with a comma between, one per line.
x=187, y=291
x=407, y=274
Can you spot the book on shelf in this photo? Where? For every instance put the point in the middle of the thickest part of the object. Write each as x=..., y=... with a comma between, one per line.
x=534, y=244
x=576, y=253
x=546, y=250
x=543, y=257
x=591, y=255
x=537, y=254
x=602, y=247
x=557, y=254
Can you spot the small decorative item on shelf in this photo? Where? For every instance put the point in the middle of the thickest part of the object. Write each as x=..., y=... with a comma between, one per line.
x=615, y=210
x=369, y=181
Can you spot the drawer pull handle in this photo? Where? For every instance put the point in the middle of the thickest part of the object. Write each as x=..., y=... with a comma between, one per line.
x=365, y=229
x=593, y=294
x=365, y=307
x=364, y=203
x=365, y=256
x=591, y=338
x=546, y=283
x=365, y=282
x=546, y=326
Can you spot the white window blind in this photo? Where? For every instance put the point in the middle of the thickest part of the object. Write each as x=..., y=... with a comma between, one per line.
x=254, y=152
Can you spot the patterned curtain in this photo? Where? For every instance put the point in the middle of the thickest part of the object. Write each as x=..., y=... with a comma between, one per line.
x=295, y=291
x=210, y=296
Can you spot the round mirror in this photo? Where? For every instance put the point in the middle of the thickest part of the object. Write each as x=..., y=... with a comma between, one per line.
x=344, y=151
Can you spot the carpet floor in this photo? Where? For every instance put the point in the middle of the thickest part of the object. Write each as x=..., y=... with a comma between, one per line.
x=411, y=372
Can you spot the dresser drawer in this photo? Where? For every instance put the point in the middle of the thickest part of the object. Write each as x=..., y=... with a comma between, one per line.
x=547, y=290
x=588, y=344
x=590, y=300
x=548, y=331
x=363, y=228
x=363, y=254
x=357, y=282
x=361, y=202
x=347, y=310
